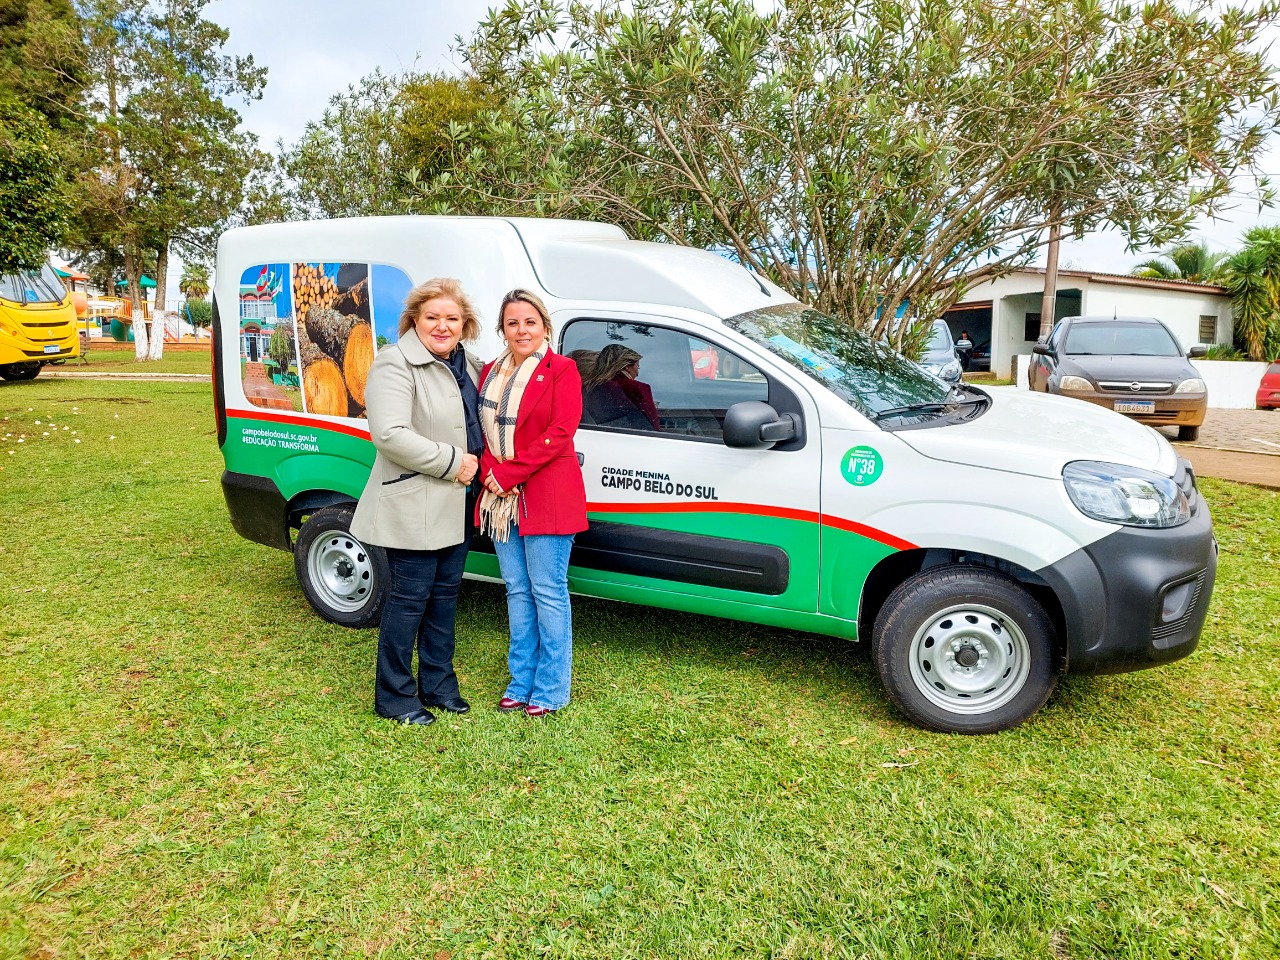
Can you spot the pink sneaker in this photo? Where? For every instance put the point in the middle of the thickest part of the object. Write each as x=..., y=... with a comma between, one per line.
x=507, y=705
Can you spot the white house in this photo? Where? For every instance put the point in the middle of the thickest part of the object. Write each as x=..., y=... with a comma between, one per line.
x=1003, y=316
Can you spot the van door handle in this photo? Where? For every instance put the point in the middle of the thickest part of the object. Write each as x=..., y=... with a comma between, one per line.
x=581, y=459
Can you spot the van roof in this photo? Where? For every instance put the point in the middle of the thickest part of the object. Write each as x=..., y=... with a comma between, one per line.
x=572, y=259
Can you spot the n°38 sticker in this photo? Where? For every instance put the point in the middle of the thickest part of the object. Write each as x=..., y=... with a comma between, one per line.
x=862, y=466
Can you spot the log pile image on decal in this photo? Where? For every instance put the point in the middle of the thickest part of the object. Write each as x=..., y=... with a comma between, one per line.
x=335, y=339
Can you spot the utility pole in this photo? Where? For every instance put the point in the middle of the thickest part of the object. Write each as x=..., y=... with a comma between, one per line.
x=1050, y=298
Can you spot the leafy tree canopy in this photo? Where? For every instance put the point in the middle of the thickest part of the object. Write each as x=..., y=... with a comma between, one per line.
x=375, y=141
x=42, y=61
x=865, y=153
x=33, y=201
x=166, y=160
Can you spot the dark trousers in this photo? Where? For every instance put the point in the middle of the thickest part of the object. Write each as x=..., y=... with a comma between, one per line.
x=420, y=610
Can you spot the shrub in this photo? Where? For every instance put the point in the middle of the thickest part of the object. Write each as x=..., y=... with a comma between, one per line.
x=199, y=313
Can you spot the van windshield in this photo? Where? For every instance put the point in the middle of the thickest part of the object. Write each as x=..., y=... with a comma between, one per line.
x=32, y=286
x=867, y=374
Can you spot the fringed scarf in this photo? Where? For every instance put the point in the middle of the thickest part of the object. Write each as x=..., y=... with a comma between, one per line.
x=500, y=397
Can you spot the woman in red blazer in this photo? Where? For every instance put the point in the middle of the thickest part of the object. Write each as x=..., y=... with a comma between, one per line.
x=534, y=500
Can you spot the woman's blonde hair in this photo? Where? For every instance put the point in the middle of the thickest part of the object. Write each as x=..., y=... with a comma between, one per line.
x=612, y=361
x=440, y=287
x=523, y=296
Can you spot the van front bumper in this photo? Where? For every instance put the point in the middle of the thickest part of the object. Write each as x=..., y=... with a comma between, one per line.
x=1137, y=598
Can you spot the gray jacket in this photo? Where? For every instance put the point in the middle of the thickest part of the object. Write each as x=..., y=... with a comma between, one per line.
x=419, y=428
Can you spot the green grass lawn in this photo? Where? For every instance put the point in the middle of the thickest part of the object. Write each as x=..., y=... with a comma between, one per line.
x=122, y=361
x=190, y=765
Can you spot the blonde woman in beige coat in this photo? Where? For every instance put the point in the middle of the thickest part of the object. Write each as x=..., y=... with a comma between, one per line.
x=422, y=406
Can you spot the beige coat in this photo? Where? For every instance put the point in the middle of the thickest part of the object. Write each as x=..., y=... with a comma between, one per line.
x=418, y=426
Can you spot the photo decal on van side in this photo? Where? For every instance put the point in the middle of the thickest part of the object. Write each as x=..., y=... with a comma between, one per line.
x=268, y=354
x=335, y=336
x=309, y=332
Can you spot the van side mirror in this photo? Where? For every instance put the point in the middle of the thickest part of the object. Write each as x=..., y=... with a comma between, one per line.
x=1195, y=352
x=1042, y=349
x=754, y=424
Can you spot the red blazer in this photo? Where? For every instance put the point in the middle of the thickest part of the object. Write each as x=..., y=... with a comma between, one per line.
x=545, y=461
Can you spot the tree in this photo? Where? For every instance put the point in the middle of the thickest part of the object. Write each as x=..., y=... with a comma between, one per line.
x=280, y=348
x=42, y=61
x=1252, y=276
x=33, y=201
x=374, y=142
x=1188, y=261
x=167, y=160
x=195, y=281
x=41, y=77
x=865, y=153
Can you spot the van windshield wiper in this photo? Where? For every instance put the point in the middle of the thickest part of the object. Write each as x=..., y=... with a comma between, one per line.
x=932, y=406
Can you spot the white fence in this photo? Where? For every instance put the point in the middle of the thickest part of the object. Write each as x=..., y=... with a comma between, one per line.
x=1232, y=384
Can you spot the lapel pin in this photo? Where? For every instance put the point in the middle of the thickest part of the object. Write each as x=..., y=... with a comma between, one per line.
x=539, y=378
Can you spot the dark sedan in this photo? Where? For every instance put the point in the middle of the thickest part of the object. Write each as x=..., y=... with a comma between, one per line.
x=1132, y=365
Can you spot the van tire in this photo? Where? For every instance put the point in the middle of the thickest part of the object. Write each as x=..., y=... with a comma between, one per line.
x=964, y=649
x=20, y=371
x=344, y=580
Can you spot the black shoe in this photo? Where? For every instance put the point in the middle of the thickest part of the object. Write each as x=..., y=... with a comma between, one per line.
x=419, y=717
x=453, y=705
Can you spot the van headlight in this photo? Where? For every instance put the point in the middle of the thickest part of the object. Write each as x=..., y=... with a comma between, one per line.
x=1128, y=495
x=1190, y=385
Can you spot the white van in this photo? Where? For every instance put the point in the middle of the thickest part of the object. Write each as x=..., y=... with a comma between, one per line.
x=791, y=472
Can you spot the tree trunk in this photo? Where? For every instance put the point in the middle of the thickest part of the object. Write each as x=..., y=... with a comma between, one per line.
x=158, y=312
x=133, y=286
x=1048, y=302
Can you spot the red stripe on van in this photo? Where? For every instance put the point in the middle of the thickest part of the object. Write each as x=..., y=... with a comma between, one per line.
x=299, y=422
x=784, y=513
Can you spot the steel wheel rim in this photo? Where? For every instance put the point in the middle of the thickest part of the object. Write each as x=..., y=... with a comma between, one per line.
x=970, y=658
x=341, y=571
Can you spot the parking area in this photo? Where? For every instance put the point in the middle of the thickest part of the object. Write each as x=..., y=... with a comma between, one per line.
x=1241, y=445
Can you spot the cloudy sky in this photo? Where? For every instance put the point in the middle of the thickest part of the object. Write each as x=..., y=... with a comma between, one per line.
x=316, y=48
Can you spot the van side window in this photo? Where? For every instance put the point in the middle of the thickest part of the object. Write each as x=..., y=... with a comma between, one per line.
x=649, y=379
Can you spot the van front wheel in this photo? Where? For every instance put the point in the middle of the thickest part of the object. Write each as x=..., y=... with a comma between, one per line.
x=342, y=578
x=964, y=649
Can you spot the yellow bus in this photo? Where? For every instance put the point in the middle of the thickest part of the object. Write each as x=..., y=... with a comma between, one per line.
x=37, y=322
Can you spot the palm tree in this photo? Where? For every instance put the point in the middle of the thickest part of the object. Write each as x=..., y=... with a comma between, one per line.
x=195, y=281
x=1188, y=261
x=1253, y=297
x=1253, y=277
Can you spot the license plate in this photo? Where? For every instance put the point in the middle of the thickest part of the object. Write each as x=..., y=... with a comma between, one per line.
x=50, y=348
x=1135, y=406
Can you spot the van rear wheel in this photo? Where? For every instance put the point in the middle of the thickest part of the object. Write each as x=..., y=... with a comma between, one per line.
x=964, y=649
x=344, y=580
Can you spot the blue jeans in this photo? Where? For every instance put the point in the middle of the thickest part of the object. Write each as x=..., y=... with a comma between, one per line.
x=536, y=571
x=421, y=607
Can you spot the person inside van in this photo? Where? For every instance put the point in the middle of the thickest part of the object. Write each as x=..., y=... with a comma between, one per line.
x=424, y=420
x=614, y=397
x=534, y=500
